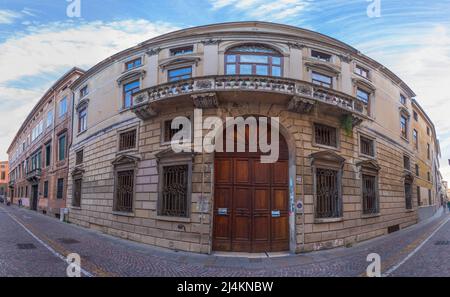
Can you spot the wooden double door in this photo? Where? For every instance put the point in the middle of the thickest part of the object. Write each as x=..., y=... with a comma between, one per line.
x=251, y=203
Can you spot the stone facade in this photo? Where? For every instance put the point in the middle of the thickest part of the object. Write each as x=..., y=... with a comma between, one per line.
x=293, y=98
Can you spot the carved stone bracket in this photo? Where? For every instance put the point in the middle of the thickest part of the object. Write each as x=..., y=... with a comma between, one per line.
x=300, y=105
x=205, y=100
x=356, y=121
x=145, y=112
x=211, y=41
x=295, y=45
x=346, y=58
x=153, y=51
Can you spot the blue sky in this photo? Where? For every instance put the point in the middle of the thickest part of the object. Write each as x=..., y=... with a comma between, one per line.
x=39, y=42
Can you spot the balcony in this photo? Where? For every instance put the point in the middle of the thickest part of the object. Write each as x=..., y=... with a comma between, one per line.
x=12, y=183
x=207, y=92
x=34, y=175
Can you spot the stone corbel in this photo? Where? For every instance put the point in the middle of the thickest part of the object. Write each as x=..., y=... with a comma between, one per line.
x=356, y=120
x=153, y=51
x=301, y=105
x=145, y=112
x=211, y=41
x=295, y=45
x=205, y=100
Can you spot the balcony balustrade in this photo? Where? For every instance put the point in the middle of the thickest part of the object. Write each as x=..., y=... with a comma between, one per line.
x=34, y=175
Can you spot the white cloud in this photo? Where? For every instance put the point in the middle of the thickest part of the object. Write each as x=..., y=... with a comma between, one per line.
x=49, y=51
x=264, y=9
x=8, y=16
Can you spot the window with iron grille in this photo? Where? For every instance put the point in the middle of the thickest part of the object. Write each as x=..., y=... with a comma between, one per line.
x=174, y=192
x=429, y=197
x=325, y=135
x=328, y=201
x=419, y=202
x=416, y=116
x=46, y=189
x=124, y=191
x=76, y=201
x=406, y=163
x=428, y=151
x=408, y=194
x=60, y=188
x=428, y=176
x=370, y=200
x=79, y=157
x=417, y=170
x=127, y=140
x=169, y=132
x=367, y=146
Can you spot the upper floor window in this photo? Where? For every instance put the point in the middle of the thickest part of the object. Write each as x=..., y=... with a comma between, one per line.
x=367, y=146
x=406, y=162
x=133, y=64
x=84, y=91
x=82, y=120
x=325, y=135
x=127, y=140
x=404, y=126
x=428, y=151
x=63, y=106
x=48, y=154
x=415, y=139
x=128, y=90
x=402, y=99
x=416, y=116
x=180, y=73
x=62, y=147
x=417, y=170
x=362, y=95
x=49, y=118
x=79, y=157
x=362, y=71
x=428, y=131
x=322, y=80
x=253, y=60
x=182, y=50
x=321, y=56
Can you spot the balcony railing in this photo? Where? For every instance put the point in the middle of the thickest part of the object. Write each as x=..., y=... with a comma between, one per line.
x=298, y=88
x=34, y=174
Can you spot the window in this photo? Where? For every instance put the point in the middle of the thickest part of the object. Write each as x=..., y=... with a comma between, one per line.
x=127, y=140
x=253, y=60
x=79, y=157
x=369, y=185
x=428, y=131
x=124, y=191
x=60, y=188
x=415, y=139
x=404, y=126
x=36, y=161
x=128, y=90
x=408, y=194
x=419, y=202
x=362, y=95
x=182, y=51
x=133, y=64
x=402, y=99
x=406, y=162
x=328, y=198
x=428, y=176
x=180, y=74
x=3, y=175
x=429, y=197
x=428, y=151
x=82, y=120
x=26, y=191
x=321, y=56
x=46, y=189
x=362, y=71
x=63, y=106
x=322, y=80
x=62, y=147
x=417, y=170
x=76, y=201
x=48, y=154
x=416, y=116
x=367, y=146
x=49, y=118
x=169, y=132
x=174, y=191
x=325, y=135
x=84, y=91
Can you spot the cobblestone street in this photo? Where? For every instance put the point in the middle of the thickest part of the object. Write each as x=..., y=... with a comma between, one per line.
x=32, y=244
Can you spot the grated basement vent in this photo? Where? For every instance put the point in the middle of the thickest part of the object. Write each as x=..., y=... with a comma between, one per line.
x=26, y=246
x=393, y=229
x=68, y=240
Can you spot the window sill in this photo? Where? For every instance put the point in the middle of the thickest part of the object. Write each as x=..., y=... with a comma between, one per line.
x=81, y=133
x=124, y=110
x=368, y=216
x=75, y=207
x=173, y=219
x=337, y=149
x=124, y=214
x=368, y=156
x=125, y=152
x=328, y=220
x=409, y=210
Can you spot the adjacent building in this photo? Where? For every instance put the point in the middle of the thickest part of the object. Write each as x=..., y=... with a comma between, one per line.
x=4, y=180
x=38, y=155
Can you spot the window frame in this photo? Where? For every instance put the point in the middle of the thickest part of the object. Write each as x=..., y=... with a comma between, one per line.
x=179, y=77
x=64, y=112
x=338, y=137
x=237, y=63
x=404, y=133
x=58, y=197
x=319, y=82
x=374, y=146
x=362, y=69
x=62, y=135
x=132, y=90
x=182, y=49
x=124, y=131
x=329, y=60
x=77, y=159
x=82, y=119
x=74, y=191
x=133, y=63
x=129, y=166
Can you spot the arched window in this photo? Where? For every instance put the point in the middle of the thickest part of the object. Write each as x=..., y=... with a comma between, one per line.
x=253, y=60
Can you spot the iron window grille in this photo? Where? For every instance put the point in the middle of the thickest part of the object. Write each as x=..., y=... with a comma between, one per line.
x=367, y=146
x=408, y=194
x=419, y=200
x=370, y=197
x=328, y=201
x=79, y=157
x=174, y=192
x=169, y=132
x=76, y=201
x=325, y=135
x=127, y=140
x=406, y=163
x=46, y=189
x=60, y=188
x=124, y=191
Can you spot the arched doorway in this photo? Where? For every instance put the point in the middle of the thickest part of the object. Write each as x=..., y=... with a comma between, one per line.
x=251, y=201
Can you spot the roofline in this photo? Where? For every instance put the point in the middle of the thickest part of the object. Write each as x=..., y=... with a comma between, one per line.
x=41, y=101
x=168, y=36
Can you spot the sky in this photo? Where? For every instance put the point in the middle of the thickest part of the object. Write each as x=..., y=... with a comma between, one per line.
x=40, y=41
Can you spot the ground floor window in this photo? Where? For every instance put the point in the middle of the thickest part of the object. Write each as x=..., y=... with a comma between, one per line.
x=174, y=202
x=124, y=191
x=408, y=194
x=328, y=204
x=76, y=201
x=60, y=188
x=370, y=197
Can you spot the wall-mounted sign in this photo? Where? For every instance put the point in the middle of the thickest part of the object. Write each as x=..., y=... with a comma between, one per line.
x=299, y=179
x=222, y=211
x=299, y=206
x=276, y=214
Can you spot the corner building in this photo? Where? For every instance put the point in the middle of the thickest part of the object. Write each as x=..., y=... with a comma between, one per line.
x=346, y=147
